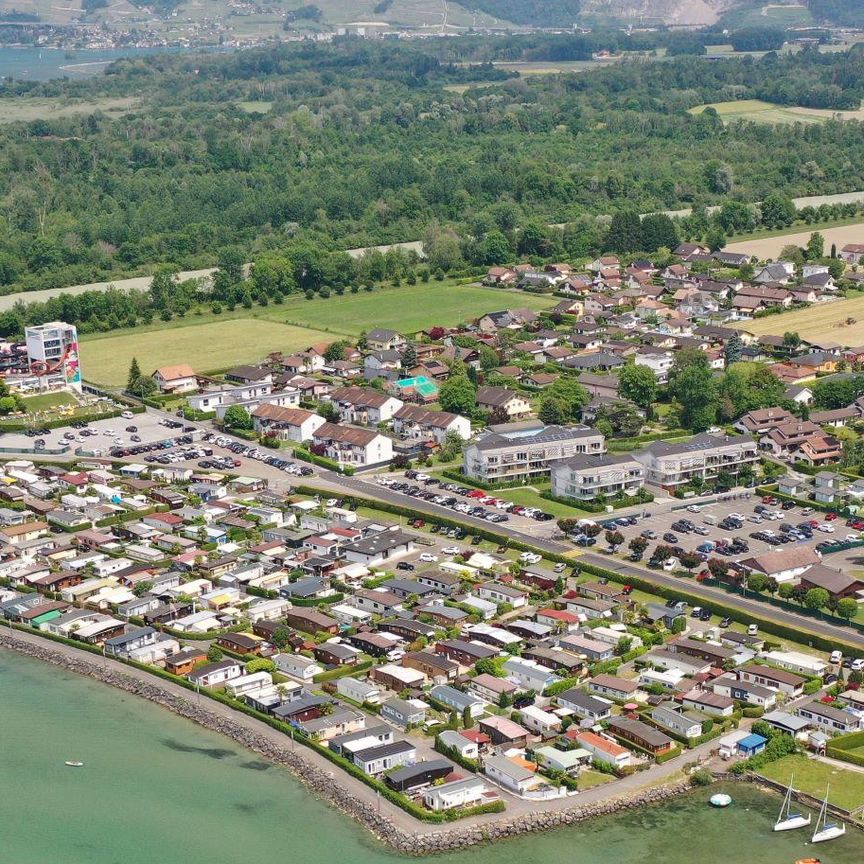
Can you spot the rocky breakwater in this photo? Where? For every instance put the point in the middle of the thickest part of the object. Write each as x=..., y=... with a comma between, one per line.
x=324, y=783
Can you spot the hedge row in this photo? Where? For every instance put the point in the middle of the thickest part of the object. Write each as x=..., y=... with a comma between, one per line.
x=453, y=754
x=308, y=602
x=458, y=477
x=92, y=417
x=594, y=507
x=322, y=462
x=801, y=502
x=342, y=671
x=842, y=746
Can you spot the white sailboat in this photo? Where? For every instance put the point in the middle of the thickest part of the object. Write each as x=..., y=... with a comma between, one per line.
x=786, y=818
x=828, y=830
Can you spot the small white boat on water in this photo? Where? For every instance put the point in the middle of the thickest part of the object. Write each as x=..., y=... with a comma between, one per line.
x=787, y=819
x=721, y=799
x=826, y=830
x=73, y=764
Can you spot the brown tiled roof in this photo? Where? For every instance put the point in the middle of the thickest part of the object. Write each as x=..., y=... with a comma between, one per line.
x=346, y=434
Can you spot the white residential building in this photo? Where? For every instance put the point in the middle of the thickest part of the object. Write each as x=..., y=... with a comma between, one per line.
x=584, y=477
x=522, y=451
x=286, y=424
x=353, y=446
x=416, y=423
x=703, y=456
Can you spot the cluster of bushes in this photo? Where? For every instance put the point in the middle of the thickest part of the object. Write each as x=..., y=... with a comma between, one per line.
x=779, y=745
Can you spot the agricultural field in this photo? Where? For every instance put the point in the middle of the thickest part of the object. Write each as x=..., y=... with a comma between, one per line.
x=825, y=321
x=255, y=107
x=406, y=309
x=206, y=347
x=770, y=246
x=548, y=67
x=26, y=109
x=766, y=112
x=812, y=776
x=210, y=343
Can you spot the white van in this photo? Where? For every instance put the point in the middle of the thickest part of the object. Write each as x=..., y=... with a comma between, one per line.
x=709, y=519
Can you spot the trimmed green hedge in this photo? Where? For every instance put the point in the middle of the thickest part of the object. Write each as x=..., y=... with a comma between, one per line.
x=453, y=754
x=594, y=507
x=801, y=502
x=841, y=747
x=458, y=477
x=311, y=602
x=322, y=462
x=342, y=672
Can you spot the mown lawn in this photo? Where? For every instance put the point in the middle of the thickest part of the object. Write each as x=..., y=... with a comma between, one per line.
x=48, y=401
x=812, y=776
x=530, y=498
x=590, y=778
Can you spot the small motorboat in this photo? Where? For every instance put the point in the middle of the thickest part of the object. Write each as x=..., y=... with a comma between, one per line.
x=73, y=764
x=808, y=861
x=721, y=799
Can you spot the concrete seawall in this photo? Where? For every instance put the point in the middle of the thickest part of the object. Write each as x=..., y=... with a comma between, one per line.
x=428, y=839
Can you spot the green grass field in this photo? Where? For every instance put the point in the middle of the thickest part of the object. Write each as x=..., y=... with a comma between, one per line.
x=205, y=347
x=406, y=309
x=210, y=343
x=26, y=109
x=811, y=776
x=766, y=112
x=47, y=401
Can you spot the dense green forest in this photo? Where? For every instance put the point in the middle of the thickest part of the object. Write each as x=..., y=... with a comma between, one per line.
x=358, y=143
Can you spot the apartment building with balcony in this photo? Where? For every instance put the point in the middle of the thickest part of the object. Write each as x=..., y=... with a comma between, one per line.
x=587, y=476
x=520, y=452
x=704, y=456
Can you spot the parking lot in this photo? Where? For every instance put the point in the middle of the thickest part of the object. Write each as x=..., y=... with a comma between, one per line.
x=733, y=529
x=463, y=500
x=99, y=435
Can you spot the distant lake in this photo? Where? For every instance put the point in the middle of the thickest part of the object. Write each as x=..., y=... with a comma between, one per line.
x=41, y=64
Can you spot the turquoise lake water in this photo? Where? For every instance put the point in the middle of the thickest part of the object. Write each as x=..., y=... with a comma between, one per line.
x=157, y=789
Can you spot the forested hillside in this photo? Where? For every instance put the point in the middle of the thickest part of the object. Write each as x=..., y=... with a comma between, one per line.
x=846, y=13
x=537, y=13
x=358, y=143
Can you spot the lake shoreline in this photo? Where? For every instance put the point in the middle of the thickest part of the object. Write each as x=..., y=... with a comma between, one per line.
x=364, y=809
